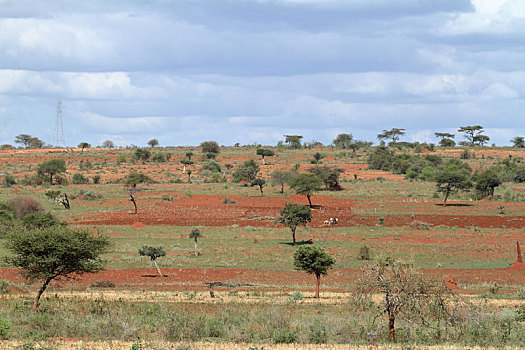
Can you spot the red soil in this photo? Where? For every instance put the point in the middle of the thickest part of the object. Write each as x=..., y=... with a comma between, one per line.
x=196, y=278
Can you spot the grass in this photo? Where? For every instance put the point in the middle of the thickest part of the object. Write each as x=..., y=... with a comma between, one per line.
x=256, y=316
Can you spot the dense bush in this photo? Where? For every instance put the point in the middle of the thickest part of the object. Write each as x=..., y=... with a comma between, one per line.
x=38, y=220
x=79, y=179
x=135, y=177
x=8, y=181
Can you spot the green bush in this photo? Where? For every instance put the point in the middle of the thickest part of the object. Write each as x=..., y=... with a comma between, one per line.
x=96, y=179
x=135, y=177
x=79, y=179
x=5, y=328
x=318, y=333
x=38, y=220
x=284, y=336
x=364, y=253
x=8, y=181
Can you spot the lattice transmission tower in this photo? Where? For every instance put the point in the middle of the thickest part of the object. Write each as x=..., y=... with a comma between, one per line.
x=60, y=140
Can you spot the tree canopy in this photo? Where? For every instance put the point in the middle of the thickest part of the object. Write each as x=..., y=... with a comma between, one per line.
x=518, y=142
x=452, y=177
x=51, y=167
x=294, y=141
x=306, y=184
x=343, y=141
x=246, y=171
x=153, y=253
x=54, y=253
x=392, y=134
x=313, y=260
x=293, y=216
x=153, y=143
x=210, y=147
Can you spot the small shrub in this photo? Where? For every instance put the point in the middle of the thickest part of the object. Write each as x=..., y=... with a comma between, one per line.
x=466, y=154
x=419, y=225
x=494, y=288
x=91, y=195
x=296, y=296
x=167, y=198
x=228, y=201
x=96, y=179
x=21, y=206
x=8, y=181
x=318, y=333
x=79, y=179
x=5, y=328
x=4, y=287
x=364, y=253
x=102, y=284
x=284, y=336
x=521, y=294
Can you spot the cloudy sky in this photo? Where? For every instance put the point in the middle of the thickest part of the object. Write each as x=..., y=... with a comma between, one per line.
x=246, y=71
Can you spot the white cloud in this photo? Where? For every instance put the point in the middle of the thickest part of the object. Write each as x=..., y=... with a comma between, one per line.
x=489, y=16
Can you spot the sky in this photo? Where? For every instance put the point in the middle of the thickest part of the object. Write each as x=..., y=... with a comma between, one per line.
x=251, y=71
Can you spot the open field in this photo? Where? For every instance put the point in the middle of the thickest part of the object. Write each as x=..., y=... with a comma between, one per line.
x=472, y=243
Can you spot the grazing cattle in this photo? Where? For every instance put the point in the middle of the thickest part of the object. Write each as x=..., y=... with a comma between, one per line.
x=326, y=222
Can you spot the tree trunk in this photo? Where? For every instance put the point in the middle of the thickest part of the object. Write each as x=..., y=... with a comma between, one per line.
x=184, y=169
x=39, y=294
x=51, y=179
x=293, y=236
x=391, y=329
x=196, y=251
x=132, y=199
x=282, y=188
x=157, y=267
x=309, y=200
x=317, y=284
x=262, y=194
x=263, y=162
x=445, y=200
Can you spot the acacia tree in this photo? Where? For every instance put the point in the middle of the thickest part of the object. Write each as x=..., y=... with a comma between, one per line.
x=246, y=171
x=306, y=184
x=328, y=175
x=108, y=144
x=406, y=293
x=294, y=141
x=264, y=152
x=153, y=143
x=195, y=234
x=55, y=253
x=343, y=141
x=392, y=134
x=445, y=139
x=23, y=139
x=518, y=142
x=293, y=216
x=452, y=177
x=282, y=177
x=51, y=167
x=473, y=134
x=315, y=261
x=153, y=253
x=210, y=147
x=259, y=182
x=487, y=181
x=83, y=145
